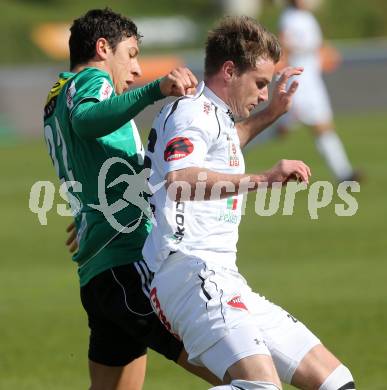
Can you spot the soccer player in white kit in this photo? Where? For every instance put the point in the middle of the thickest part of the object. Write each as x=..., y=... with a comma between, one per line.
x=301, y=39
x=197, y=291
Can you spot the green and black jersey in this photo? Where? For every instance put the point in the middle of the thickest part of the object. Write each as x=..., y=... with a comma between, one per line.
x=85, y=124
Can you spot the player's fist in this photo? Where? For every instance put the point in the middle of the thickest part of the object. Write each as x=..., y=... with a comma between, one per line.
x=179, y=82
x=287, y=170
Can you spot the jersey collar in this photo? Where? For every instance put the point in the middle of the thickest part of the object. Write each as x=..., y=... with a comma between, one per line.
x=218, y=102
x=216, y=99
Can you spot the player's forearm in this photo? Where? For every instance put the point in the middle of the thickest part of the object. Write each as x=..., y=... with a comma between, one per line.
x=96, y=119
x=204, y=184
x=249, y=128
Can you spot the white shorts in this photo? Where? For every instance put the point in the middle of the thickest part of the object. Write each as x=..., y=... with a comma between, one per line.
x=221, y=320
x=311, y=104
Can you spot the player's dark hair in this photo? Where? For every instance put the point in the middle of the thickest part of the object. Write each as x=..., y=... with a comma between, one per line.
x=95, y=24
x=240, y=39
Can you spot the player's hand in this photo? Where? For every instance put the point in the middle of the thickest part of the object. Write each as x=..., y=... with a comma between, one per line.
x=288, y=170
x=71, y=242
x=179, y=82
x=281, y=99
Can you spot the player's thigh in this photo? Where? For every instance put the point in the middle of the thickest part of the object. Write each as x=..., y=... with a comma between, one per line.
x=182, y=297
x=287, y=339
x=314, y=368
x=199, y=371
x=129, y=377
x=207, y=311
x=134, y=314
x=255, y=368
x=117, y=330
x=163, y=342
x=244, y=355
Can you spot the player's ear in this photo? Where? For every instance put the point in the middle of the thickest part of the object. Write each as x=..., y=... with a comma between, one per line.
x=102, y=48
x=228, y=70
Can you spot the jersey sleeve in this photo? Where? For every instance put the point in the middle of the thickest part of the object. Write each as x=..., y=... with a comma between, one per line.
x=96, y=112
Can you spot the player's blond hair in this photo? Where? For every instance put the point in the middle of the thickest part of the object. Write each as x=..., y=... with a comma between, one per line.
x=240, y=39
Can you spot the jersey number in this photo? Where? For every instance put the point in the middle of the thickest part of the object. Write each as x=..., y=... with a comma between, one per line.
x=68, y=177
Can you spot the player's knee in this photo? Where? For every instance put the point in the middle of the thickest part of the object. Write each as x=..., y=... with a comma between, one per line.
x=339, y=379
x=238, y=384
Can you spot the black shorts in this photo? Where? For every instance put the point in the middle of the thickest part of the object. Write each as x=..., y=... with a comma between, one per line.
x=121, y=320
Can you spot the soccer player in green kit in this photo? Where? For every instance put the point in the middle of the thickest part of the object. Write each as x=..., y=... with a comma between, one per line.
x=88, y=120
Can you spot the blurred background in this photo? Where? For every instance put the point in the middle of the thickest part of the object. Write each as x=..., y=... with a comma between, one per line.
x=330, y=273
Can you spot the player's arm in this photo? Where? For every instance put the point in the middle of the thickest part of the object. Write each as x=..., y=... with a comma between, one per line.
x=185, y=150
x=93, y=118
x=279, y=104
x=183, y=184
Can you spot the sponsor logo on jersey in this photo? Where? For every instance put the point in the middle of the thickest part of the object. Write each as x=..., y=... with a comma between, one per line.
x=237, y=303
x=228, y=216
x=234, y=159
x=52, y=96
x=206, y=108
x=179, y=218
x=105, y=91
x=232, y=152
x=234, y=162
x=178, y=148
x=159, y=311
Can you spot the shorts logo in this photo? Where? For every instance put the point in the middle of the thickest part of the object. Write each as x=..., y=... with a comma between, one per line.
x=178, y=148
x=237, y=303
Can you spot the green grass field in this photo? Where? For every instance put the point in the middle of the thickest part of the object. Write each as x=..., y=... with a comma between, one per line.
x=329, y=272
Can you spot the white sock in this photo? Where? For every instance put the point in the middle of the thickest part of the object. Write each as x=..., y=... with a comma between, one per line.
x=332, y=149
x=340, y=379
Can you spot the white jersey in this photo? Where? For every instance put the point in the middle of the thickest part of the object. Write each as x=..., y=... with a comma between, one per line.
x=194, y=131
x=302, y=38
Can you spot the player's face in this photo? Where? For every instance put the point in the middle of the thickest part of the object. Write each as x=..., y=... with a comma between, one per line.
x=123, y=64
x=250, y=88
